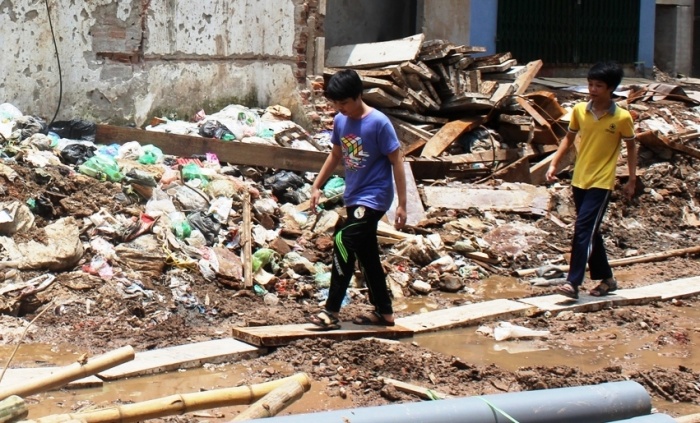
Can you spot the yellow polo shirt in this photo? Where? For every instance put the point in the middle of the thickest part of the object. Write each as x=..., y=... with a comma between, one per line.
x=599, y=146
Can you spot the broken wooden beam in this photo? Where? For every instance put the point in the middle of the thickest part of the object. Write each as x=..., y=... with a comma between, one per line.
x=523, y=81
x=233, y=152
x=448, y=134
x=518, y=198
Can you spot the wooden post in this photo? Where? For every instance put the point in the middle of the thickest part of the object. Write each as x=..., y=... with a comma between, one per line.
x=178, y=404
x=271, y=404
x=70, y=373
x=246, y=238
x=12, y=409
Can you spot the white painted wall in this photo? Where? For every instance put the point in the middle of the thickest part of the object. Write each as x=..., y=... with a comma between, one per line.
x=195, y=53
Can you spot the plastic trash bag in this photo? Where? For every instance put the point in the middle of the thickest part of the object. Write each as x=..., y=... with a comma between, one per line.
x=334, y=187
x=207, y=225
x=263, y=257
x=75, y=129
x=101, y=167
x=77, y=154
x=216, y=129
x=30, y=125
x=150, y=154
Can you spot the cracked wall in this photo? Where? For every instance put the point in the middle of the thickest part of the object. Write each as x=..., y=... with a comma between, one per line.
x=125, y=61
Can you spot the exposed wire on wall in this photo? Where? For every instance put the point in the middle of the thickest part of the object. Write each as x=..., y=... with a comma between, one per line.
x=58, y=60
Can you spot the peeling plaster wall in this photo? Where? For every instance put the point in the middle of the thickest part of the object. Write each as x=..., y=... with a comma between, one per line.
x=126, y=60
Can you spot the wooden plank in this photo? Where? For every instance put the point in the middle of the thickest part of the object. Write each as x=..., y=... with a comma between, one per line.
x=227, y=151
x=494, y=68
x=415, y=132
x=247, y=243
x=422, y=71
x=448, y=134
x=511, y=75
x=678, y=288
x=643, y=295
x=552, y=137
x=518, y=171
x=182, y=357
x=547, y=104
x=274, y=336
x=506, y=198
x=370, y=73
x=380, y=98
x=494, y=59
x=538, y=172
x=434, y=77
x=22, y=375
x=461, y=316
x=502, y=92
x=386, y=85
x=500, y=155
x=523, y=81
x=419, y=391
x=375, y=54
x=415, y=117
x=429, y=168
x=467, y=104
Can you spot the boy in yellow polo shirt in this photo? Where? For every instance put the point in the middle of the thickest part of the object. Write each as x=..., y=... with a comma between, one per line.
x=602, y=125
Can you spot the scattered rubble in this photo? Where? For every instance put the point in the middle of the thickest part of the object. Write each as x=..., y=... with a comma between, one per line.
x=162, y=241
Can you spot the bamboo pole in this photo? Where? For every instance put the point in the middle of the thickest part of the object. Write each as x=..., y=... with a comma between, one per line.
x=273, y=403
x=70, y=373
x=12, y=409
x=627, y=261
x=178, y=404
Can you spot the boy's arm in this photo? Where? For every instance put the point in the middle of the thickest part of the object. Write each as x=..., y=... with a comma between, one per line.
x=564, y=146
x=326, y=171
x=631, y=184
x=396, y=159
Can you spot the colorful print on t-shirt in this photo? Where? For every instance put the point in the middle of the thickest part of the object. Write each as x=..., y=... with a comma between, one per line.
x=353, y=155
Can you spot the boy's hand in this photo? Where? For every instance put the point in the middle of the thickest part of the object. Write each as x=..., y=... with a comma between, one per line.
x=629, y=189
x=315, y=196
x=551, y=174
x=400, y=220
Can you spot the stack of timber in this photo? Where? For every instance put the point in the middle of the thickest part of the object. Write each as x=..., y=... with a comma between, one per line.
x=435, y=92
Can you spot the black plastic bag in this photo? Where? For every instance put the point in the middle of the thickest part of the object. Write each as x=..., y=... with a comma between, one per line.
x=75, y=129
x=283, y=182
x=77, y=154
x=215, y=129
x=205, y=224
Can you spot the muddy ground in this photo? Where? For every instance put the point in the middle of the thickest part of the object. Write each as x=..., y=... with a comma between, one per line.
x=96, y=316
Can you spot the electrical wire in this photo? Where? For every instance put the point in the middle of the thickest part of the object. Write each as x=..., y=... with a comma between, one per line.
x=58, y=60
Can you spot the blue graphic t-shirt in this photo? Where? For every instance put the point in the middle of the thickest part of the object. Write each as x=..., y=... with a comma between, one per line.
x=366, y=143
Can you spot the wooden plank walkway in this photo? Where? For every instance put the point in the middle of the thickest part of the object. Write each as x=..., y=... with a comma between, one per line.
x=622, y=297
x=472, y=314
x=17, y=376
x=463, y=315
x=181, y=357
x=272, y=336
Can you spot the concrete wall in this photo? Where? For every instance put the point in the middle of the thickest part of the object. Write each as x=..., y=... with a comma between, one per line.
x=446, y=20
x=126, y=60
x=674, y=36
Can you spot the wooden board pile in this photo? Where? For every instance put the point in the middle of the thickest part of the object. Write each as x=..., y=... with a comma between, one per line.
x=435, y=91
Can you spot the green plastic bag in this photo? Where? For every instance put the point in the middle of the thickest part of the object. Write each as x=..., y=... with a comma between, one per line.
x=191, y=171
x=262, y=258
x=151, y=155
x=101, y=167
x=334, y=187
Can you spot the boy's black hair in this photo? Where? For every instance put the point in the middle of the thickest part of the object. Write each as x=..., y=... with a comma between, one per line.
x=343, y=85
x=609, y=72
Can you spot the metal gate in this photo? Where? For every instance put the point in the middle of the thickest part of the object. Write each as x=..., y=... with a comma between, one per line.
x=569, y=31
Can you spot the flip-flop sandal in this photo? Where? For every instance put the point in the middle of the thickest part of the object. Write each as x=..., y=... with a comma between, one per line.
x=604, y=288
x=379, y=320
x=568, y=290
x=324, y=321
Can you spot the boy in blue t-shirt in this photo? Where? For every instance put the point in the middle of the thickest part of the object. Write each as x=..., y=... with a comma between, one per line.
x=366, y=143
